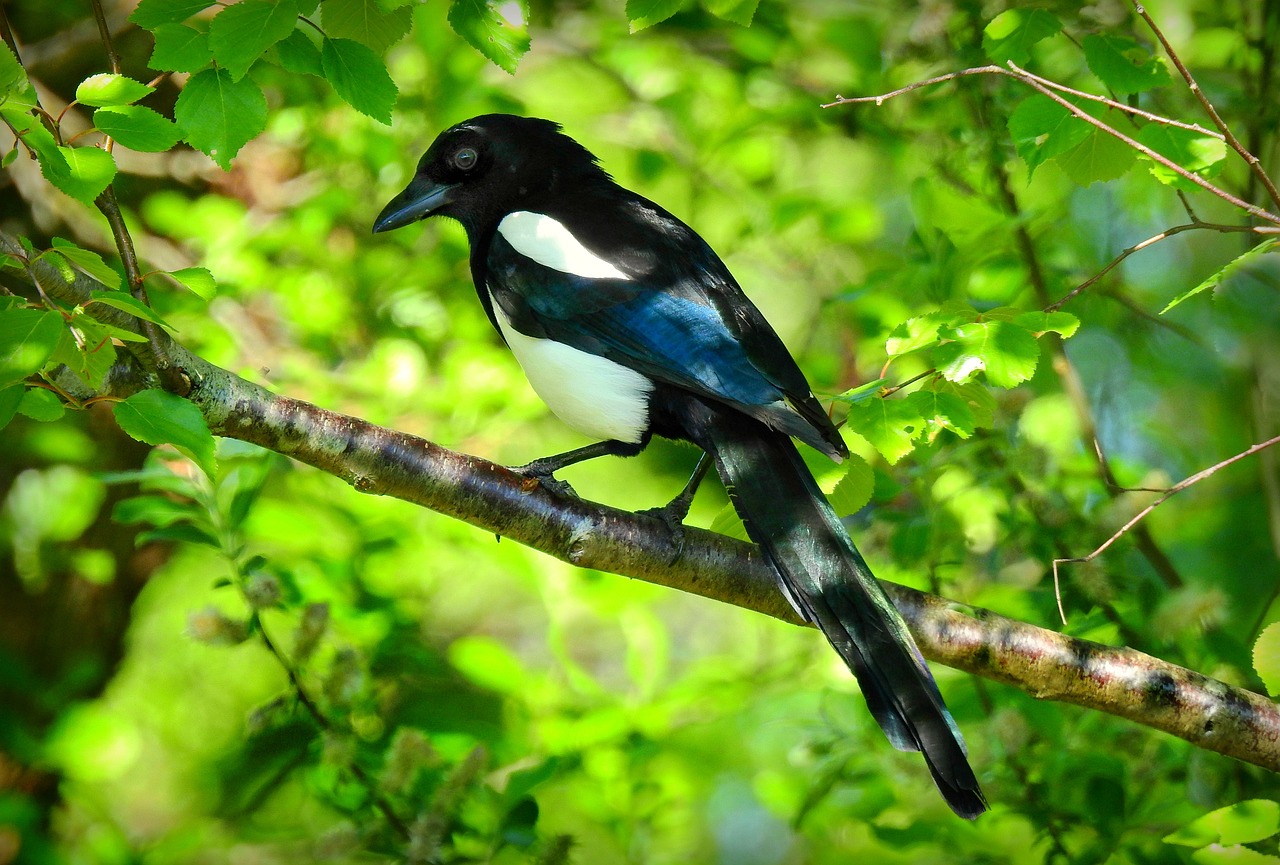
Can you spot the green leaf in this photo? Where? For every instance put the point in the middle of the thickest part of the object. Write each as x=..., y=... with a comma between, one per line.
x=489, y=663
x=738, y=11
x=1038, y=321
x=10, y=398
x=197, y=280
x=1121, y=64
x=487, y=30
x=1042, y=129
x=27, y=339
x=728, y=523
x=976, y=396
x=34, y=135
x=854, y=489
x=219, y=115
x=89, y=262
x=241, y=32
x=138, y=128
x=41, y=404
x=1241, y=823
x=1011, y=34
x=1266, y=658
x=862, y=392
x=13, y=78
x=1008, y=353
x=299, y=55
x=1100, y=157
x=890, y=425
x=1198, y=153
x=646, y=13
x=150, y=14
x=1223, y=273
x=180, y=49
x=156, y=417
x=89, y=172
x=109, y=88
x=359, y=77
x=1236, y=854
x=90, y=357
x=913, y=334
x=127, y=303
x=367, y=22
x=154, y=510
x=940, y=411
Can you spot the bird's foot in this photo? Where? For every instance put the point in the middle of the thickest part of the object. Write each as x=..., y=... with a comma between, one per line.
x=673, y=514
x=541, y=471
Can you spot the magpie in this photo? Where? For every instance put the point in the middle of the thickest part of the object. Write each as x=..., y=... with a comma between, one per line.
x=628, y=326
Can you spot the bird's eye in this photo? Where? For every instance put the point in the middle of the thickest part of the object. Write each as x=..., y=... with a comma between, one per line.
x=465, y=159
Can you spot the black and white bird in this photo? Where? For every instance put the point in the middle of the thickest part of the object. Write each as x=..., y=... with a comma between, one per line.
x=628, y=325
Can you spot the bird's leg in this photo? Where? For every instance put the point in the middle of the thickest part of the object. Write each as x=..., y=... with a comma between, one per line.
x=674, y=512
x=544, y=468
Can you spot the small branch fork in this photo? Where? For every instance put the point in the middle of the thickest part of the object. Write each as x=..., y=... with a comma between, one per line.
x=1141, y=515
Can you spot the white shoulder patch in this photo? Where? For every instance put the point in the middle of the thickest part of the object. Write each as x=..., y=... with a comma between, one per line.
x=547, y=241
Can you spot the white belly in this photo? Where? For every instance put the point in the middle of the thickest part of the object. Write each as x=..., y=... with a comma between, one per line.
x=595, y=396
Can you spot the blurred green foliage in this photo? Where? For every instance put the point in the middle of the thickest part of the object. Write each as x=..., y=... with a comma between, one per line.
x=256, y=663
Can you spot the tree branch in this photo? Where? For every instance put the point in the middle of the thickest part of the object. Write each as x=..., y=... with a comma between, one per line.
x=1124, y=682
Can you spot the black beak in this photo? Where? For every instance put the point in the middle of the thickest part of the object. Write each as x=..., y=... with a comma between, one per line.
x=420, y=199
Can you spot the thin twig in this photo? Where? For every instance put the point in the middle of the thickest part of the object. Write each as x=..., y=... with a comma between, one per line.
x=105, y=33
x=1255, y=164
x=1138, y=517
x=1138, y=247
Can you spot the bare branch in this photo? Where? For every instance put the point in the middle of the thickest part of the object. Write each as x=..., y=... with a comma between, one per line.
x=1124, y=682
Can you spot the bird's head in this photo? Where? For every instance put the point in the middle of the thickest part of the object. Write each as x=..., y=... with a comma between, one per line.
x=484, y=168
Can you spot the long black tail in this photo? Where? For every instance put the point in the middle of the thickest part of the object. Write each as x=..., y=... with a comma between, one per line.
x=824, y=576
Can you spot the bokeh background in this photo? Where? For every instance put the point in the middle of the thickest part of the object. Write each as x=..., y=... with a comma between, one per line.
x=516, y=700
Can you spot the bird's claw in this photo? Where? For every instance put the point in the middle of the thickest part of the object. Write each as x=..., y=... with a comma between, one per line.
x=672, y=515
x=535, y=473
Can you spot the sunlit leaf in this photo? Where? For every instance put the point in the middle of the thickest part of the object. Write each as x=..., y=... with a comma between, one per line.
x=219, y=115
x=241, y=32
x=1005, y=351
x=1224, y=272
x=137, y=127
x=197, y=280
x=359, y=77
x=738, y=11
x=1098, y=158
x=941, y=410
x=127, y=303
x=10, y=398
x=367, y=22
x=500, y=39
x=41, y=405
x=180, y=49
x=1266, y=658
x=27, y=339
x=854, y=489
x=1038, y=322
x=109, y=88
x=1042, y=129
x=646, y=13
x=90, y=262
x=89, y=172
x=155, y=417
x=890, y=425
x=1196, y=152
x=1241, y=823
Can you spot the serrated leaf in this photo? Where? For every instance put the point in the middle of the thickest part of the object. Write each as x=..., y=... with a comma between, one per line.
x=10, y=397
x=1223, y=273
x=975, y=395
x=150, y=14
x=197, y=280
x=90, y=262
x=367, y=22
x=127, y=303
x=940, y=411
x=359, y=77
x=241, y=32
x=913, y=335
x=1038, y=321
x=13, y=78
x=1100, y=157
x=728, y=523
x=89, y=172
x=890, y=425
x=156, y=417
x=483, y=26
x=738, y=11
x=137, y=128
x=1011, y=34
x=1198, y=153
x=41, y=405
x=1236, y=854
x=180, y=49
x=110, y=88
x=27, y=340
x=1042, y=129
x=299, y=55
x=1122, y=65
x=91, y=356
x=219, y=115
x=854, y=489
x=183, y=533
x=38, y=138
x=646, y=13
x=1006, y=352
x=1266, y=658
x=1241, y=823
